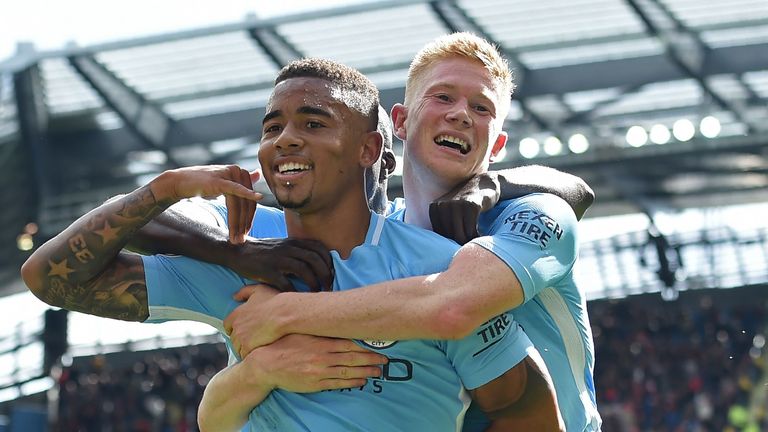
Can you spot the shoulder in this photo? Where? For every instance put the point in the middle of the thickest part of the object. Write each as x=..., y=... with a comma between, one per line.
x=537, y=201
x=403, y=232
x=541, y=218
x=418, y=249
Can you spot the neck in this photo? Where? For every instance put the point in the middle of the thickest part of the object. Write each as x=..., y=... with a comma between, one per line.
x=420, y=189
x=339, y=227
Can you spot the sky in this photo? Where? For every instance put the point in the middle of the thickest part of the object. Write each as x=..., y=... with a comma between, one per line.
x=52, y=24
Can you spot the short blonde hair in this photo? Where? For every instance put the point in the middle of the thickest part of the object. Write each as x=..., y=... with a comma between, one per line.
x=462, y=45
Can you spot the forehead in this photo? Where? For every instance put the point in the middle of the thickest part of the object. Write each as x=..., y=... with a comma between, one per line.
x=312, y=92
x=462, y=74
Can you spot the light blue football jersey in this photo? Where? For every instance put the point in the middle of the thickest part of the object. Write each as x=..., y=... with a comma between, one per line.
x=536, y=236
x=557, y=300
x=423, y=387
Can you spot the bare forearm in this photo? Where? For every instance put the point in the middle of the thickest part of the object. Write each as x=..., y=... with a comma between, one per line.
x=227, y=401
x=173, y=232
x=69, y=270
x=525, y=180
x=447, y=305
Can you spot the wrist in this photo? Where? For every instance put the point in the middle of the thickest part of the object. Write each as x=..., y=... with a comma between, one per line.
x=285, y=320
x=163, y=188
x=257, y=373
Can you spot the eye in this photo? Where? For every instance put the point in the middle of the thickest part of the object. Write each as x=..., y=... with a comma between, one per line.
x=482, y=108
x=314, y=124
x=271, y=128
x=443, y=97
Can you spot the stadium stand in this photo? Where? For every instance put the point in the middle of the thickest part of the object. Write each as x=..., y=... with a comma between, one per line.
x=661, y=105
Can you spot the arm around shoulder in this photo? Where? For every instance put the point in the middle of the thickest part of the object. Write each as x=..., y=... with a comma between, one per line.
x=476, y=287
x=516, y=182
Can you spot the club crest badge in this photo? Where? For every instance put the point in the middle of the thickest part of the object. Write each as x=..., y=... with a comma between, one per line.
x=378, y=344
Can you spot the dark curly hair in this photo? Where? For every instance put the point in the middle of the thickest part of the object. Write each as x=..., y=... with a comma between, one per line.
x=351, y=87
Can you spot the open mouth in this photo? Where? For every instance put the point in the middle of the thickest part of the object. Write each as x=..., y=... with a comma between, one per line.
x=292, y=168
x=453, y=142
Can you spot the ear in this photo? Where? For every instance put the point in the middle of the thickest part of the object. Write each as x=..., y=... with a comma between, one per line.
x=499, y=144
x=399, y=114
x=370, y=152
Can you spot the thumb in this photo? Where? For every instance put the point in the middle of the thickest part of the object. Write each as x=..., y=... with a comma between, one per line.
x=244, y=293
x=255, y=176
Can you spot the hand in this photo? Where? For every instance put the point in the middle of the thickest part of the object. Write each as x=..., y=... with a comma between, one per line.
x=271, y=261
x=455, y=214
x=240, y=211
x=305, y=364
x=250, y=325
x=235, y=183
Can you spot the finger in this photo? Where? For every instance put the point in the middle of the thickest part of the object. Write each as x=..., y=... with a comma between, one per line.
x=346, y=346
x=247, y=207
x=323, y=270
x=335, y=383
x=436, y=219
x=288, y=265
x=457, y=225
x=359, y=359
x=279, y=281
x=345, y=372
x=232, y=216
x=229, y=322
x=445, y=221
x=228, y=187
x=314, y=260
x=244, y=294
x=314, y=246
x=470, y=224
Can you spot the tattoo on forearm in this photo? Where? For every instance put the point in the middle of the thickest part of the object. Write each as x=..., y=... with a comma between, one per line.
x=140, y=204
x=122, y=295
x=85, y=271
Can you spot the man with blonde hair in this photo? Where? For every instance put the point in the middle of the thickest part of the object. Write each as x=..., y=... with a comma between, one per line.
x=318, y=138
x=457, y=97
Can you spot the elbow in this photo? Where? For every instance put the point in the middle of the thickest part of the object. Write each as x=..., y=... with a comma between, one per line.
x=586, y=199
x=454, y=321
x=30, y=274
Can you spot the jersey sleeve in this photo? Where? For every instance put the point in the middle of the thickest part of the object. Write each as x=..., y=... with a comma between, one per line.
x=181, y=288
x=536, y=237
x=494, y=348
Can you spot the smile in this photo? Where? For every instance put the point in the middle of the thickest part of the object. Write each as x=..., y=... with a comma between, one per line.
x=453, y=142
x=292, y=168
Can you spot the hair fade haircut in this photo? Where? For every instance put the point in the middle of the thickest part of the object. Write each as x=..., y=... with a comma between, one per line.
x=461, y=45
x=349, y=86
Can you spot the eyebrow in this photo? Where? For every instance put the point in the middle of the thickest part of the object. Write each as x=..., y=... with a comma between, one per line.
x=302, y=110
x=314, y=111
x=270, y=115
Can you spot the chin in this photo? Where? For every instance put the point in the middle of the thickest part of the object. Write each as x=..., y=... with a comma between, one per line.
x=293, y=204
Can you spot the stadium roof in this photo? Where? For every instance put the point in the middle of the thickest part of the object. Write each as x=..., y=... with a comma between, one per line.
x=669, y=97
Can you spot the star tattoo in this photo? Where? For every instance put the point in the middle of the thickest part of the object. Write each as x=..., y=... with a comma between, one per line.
x=60, y=269
x=107, y=233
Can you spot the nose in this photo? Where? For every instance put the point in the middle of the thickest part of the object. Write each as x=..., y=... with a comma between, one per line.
x=289, y=140
x=459, y=113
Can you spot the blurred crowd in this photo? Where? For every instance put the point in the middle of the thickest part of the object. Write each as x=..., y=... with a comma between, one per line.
x=688, y=366
x=680, y=366
x=159, y=392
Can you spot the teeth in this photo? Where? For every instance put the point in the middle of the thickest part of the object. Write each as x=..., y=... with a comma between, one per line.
x=454, y=140
x=292, y=166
